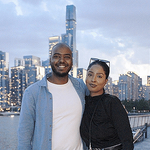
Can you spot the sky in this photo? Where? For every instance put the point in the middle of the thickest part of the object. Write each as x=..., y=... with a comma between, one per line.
x=117, y=31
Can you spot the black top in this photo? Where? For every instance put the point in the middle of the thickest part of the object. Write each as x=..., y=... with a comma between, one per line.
x=110, y=124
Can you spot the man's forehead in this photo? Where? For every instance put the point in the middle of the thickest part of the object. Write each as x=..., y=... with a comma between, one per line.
x=61, y=50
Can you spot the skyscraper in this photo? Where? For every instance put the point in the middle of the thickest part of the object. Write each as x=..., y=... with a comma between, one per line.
x=68, y=38
x=124, y=87
x=148, y=80
x=17, y=84
x=33, y=69
x=81, y=73
x=134, y=85
x=71, y=29
x=4, y=78
x=130, y=86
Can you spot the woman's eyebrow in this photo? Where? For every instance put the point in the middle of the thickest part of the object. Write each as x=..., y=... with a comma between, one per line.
x=101, y=73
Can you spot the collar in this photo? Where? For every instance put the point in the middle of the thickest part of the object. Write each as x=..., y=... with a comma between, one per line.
x=43, y=82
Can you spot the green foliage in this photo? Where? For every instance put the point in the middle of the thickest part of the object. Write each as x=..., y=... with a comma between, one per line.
x=137, y=105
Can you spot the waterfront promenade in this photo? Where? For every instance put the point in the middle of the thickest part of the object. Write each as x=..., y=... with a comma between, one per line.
x=145, y=144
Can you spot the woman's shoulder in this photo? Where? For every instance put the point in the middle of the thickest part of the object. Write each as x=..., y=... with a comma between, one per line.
x=111, y=98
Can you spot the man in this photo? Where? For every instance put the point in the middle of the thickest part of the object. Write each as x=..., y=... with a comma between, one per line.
x=52, y=108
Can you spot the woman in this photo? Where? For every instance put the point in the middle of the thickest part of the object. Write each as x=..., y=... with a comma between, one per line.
x=105, y=124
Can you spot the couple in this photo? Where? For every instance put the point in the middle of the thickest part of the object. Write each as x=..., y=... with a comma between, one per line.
x=52, y=110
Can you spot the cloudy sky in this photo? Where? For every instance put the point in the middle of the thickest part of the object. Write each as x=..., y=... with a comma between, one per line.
x=118, y=31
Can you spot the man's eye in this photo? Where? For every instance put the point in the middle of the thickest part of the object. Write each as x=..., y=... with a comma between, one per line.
x=55, y=56
x=67, y=57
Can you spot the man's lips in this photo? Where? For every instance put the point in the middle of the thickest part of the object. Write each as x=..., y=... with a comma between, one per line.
x=92, y=85
x=61, y=66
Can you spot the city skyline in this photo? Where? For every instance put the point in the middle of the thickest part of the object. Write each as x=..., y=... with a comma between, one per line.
x=114, y=31
x=22, y=64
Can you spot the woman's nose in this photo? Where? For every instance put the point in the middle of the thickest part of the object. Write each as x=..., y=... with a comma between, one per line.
x=93, y=79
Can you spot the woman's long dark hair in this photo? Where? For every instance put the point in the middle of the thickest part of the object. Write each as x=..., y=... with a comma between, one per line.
x=102, y=64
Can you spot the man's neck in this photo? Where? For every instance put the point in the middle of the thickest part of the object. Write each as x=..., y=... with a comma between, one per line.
x=58, y=80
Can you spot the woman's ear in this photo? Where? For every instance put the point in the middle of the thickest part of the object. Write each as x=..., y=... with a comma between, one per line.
x=106, y=81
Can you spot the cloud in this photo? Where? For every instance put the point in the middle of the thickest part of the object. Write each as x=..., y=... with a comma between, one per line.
x=115, y=30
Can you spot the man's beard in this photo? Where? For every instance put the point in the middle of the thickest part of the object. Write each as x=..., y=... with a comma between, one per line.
x=58, y=73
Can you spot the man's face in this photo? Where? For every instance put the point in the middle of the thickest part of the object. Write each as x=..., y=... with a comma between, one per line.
x=61, y=61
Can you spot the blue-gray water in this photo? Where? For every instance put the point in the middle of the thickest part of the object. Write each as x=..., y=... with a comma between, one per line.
x=8, y=132
x=9, y=126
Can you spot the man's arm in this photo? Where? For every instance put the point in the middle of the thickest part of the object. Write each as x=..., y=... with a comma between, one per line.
x=26, y=121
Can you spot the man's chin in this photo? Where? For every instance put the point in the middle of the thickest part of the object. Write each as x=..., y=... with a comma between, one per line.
x=61, y=74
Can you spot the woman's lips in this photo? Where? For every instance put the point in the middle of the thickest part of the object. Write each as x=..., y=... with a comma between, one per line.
x=93, y=85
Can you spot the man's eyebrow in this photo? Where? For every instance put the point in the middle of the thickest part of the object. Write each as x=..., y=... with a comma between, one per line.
x=63, y=54
x=56, y=53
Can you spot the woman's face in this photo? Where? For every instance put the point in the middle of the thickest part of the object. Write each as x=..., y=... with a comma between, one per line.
x=96, y=80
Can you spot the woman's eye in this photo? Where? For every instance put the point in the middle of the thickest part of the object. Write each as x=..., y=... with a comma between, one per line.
x=99, y=76
x=89, y=75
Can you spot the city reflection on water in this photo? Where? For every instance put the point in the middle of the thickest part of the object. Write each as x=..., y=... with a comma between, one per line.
x=8, y=132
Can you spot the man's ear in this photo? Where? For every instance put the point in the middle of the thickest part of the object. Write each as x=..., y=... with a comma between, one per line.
x=50, y=60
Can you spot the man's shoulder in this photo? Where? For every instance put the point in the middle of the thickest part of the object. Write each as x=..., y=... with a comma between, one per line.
x=76, y=80
x=37, y=84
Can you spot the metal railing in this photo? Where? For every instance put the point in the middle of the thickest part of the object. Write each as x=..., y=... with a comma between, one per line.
x=139, y=125
x=137, y=121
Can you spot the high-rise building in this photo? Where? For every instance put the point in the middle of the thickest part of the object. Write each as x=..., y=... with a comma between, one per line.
x=140, y=88
x=71, y=29
x=31, y=61
x=130, y=86
x=46, y=65
x=33, y=69
x=146, y=92
x=17, y=84
x=69, y=38
x=81, y=73
x=19, y=62
x=25, y=72
x=115, y=88
x=108, y=87
x=4, y=78
x=148, y=80
x=124, y=87
x=35, y=74
x=134, y=85
x=53, y=41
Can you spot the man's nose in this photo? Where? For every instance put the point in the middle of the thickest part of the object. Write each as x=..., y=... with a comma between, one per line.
x=61, y=59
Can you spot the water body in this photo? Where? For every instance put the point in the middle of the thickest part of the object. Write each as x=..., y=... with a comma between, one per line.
x=8, y=132
x=9, y=126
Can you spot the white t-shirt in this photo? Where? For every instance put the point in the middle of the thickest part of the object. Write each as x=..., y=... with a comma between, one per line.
x=67, y=113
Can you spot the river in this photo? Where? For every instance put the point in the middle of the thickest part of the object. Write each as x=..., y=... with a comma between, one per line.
x=9, y=126
x=8, y=132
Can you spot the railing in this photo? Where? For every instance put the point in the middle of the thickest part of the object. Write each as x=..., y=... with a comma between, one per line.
x=139, y=125
x=137, y=121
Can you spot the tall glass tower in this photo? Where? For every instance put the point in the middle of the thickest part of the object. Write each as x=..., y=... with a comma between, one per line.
x=71, y=29
x=68, y=38
x=4, y=78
